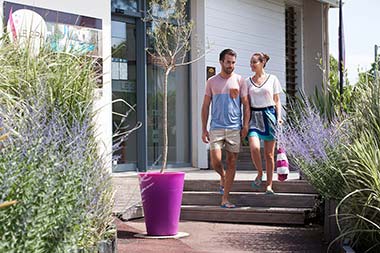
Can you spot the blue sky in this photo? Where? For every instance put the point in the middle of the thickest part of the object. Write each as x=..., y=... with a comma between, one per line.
x=361, y=32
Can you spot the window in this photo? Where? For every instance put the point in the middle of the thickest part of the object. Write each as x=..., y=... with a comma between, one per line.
x=291, y=52
x=123, y=6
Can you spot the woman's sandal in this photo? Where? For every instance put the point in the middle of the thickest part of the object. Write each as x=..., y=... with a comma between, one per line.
x=269, y=191
x=257, y=183
x=228, y=205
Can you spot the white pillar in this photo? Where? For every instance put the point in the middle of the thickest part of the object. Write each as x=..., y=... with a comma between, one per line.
x=198, y=80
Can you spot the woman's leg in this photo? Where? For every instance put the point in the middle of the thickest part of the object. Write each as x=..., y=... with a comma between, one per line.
x=254, y=146
x=269, y=160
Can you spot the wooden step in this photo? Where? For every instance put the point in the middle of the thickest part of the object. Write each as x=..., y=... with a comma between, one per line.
x=257, y=199
x=244, y=165
x=289, y=186
x=244, y=161
x=258, y=215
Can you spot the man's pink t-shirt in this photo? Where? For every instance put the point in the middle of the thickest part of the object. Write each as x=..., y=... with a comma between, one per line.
x=225, y=96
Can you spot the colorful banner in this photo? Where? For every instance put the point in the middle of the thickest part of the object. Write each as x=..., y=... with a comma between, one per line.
x=63, y=31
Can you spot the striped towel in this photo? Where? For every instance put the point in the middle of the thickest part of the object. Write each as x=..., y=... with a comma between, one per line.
x=282, y=165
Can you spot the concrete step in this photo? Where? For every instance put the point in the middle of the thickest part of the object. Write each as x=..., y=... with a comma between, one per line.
x=258, y=215
x=289, y=186
x=254, y=199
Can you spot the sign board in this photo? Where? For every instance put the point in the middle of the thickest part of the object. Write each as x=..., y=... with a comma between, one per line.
x=210, y=72
x=61, y=30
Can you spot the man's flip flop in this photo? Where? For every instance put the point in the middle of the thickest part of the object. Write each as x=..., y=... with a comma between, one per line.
x=227, y=205
x=221, y=189
x=269, y=191
x=257, y=183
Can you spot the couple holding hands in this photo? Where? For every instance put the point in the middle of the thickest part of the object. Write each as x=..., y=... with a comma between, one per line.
x=260, y=97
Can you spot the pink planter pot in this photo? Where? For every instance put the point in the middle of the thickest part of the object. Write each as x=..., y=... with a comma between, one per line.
x=161, y=196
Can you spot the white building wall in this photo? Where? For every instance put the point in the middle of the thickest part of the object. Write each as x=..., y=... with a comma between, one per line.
x=247, y=26
x=100, y=10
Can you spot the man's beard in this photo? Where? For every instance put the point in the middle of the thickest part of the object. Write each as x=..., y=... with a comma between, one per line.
x=228, y=70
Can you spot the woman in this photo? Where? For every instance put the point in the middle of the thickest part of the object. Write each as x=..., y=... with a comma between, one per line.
x=264, y=93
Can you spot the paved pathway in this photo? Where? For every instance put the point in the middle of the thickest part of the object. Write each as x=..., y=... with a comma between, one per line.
x=223, y=237
x=205, y=236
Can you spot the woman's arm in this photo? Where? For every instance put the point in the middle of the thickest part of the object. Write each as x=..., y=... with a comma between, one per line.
x=246, y=116
x=277, y=101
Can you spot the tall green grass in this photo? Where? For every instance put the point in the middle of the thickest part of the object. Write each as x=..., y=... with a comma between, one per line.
x=69, y=79
x=359, y=211
x=50, y=162
x=345, y=166
x=328, y=99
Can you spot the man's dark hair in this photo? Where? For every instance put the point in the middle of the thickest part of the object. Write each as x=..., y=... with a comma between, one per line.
x=226, y=51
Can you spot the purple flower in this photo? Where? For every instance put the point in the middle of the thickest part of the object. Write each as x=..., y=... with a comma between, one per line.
x=54, y=158
x=308, y=137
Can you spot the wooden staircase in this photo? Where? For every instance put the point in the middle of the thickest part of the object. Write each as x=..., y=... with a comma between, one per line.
x=292, y=203
x=244, y=162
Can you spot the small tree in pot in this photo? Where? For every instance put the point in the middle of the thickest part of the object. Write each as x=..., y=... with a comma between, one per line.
x=170, y=38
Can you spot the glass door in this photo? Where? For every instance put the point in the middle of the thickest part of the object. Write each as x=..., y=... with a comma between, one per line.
x=123, y=71
x=178, y=114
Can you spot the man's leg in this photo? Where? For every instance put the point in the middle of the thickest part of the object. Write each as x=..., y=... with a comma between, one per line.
x=232, y=150
x=230, y=175
x=216, y=163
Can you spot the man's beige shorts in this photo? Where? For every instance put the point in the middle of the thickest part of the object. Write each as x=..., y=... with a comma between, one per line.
x=227, y=138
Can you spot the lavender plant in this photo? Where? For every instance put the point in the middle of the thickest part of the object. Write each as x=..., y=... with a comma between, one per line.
x=313, y=144
x=50, y=162
x=52, y=169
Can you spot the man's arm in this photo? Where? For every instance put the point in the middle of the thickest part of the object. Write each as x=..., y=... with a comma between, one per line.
x=204, y=116
x=247, y=116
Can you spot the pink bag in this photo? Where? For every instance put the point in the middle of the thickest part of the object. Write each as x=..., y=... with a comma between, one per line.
x=282, y=165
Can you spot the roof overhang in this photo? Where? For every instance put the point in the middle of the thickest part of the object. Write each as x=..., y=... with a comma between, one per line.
x=333, y=3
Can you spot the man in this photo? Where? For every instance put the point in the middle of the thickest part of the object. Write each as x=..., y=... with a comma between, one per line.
x=226, y=92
